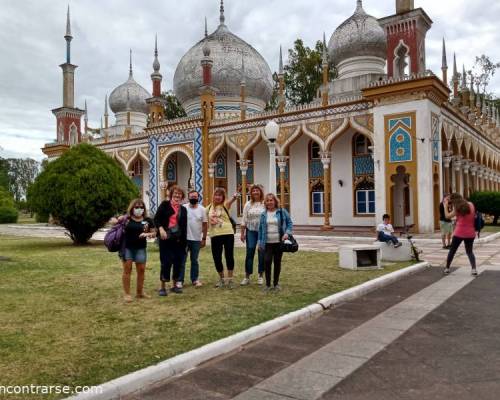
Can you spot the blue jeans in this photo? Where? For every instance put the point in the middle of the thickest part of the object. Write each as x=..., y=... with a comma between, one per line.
x=194, y=251
x=386, y=238
x=251, y=242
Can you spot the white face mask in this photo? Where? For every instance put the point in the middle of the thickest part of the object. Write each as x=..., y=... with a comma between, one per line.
x=138, y=212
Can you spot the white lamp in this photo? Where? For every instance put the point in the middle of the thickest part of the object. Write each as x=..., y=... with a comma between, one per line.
x=272, y=130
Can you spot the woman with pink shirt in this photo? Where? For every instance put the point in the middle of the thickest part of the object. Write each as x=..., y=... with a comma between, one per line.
x=171, y=222
x=465, y=231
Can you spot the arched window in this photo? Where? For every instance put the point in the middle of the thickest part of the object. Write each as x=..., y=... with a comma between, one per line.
x=73, y=135
x=60, y=133
x=365, y=198
x=220, y=173
x=316, y=176
x=402, y=60
x=362, y=145
x=137, y=173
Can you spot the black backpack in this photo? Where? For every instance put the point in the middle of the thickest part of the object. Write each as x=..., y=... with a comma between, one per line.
x=478, y=222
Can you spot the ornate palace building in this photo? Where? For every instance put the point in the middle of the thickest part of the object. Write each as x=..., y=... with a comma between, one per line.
x=387, y=135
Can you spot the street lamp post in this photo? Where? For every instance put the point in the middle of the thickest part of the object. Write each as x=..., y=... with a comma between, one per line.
x=272, y=130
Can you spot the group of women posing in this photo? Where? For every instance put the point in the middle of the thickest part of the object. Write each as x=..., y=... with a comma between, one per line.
x=264, y=226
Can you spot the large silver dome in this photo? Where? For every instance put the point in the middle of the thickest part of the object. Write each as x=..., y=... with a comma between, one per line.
x=137, y=97
x=226, y=51
x=359, y=35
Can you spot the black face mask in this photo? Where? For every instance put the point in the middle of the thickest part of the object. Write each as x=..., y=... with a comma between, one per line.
x=193, y=201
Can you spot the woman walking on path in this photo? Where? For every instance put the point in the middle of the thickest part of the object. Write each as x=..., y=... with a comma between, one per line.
x=138, y=228
x=250, y=233
x=171, y=221
x=275, y=227
x=465, y=231
x=221, y=231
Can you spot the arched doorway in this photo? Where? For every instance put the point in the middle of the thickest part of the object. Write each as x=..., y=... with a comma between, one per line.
x=401, y=198
x=177, y=170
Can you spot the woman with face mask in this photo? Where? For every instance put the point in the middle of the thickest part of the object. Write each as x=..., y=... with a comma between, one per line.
x=171, y=222
x=138, y=228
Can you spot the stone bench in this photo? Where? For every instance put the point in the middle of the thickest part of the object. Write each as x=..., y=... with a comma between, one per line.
x=359, y=257
x=389, y=253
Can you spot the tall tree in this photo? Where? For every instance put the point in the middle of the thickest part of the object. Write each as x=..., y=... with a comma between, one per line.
x=484, y=69
x=4, y=174
x=273, y=102
x=173, y=108
x=22, y=173
x=303, y=73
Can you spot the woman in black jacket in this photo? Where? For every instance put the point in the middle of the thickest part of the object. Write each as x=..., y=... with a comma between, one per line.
x=171, y=222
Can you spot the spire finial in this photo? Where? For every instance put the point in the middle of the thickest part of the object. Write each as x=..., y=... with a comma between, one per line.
x=464, y=78
x=444, y=63
x=222, y=18
x=206, y=27
x=156, y=63
x=156, y=45
x=68, y=24
x=325, y=52
x=280, y=71
x=130, y=73
x=359, y=5
x=455, y=72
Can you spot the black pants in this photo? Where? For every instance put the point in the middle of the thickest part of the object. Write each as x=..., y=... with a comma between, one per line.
x=455, y=244
x=272, y=253
x=226, y=243
x=172, y=254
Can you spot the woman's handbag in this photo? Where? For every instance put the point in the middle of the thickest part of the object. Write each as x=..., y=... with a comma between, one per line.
x=290, y=245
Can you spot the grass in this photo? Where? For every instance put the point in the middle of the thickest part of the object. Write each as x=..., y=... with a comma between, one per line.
x=491, y=228
x=63, y=321
x=26, y=219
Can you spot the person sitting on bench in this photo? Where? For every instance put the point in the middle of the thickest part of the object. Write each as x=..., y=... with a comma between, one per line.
x=385, y=232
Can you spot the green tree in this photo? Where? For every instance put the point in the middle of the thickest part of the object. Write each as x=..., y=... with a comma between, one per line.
x=273, y=102
x=487, y=203
x=303, y=73
x=22, y=173
x=82, y=190
x=8, y=211
x=484, y=69
x=4, y=174
x=173, y=107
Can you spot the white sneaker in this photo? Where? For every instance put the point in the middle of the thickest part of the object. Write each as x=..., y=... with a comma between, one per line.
x=178, y=285
x=260, y=280
x=245, y=282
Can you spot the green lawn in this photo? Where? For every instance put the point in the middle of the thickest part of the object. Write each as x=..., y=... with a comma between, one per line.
x=63, y=321
x=26, y=219
x=491, y=228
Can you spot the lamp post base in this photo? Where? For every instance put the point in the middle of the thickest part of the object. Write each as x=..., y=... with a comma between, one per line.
x=327, y=228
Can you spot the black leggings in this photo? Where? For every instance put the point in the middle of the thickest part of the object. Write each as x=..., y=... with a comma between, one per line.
x=219, y=243
x=455, y=244
x=272, y=252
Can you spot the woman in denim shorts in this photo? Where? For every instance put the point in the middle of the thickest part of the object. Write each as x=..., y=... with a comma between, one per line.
x=137, y=229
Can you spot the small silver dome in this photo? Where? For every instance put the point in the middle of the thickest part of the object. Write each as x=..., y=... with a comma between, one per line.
x=137, y=97
x=359, y=35
x=226, y=51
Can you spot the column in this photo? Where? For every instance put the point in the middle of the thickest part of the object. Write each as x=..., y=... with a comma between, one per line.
x=282, y=162
x=446, y=168
x=466, y=167
x=272, y=167
x=243, y=168
x=326, y=160
x=457, y=166
x=211, y=181
x=473, y=174
x=480, y=186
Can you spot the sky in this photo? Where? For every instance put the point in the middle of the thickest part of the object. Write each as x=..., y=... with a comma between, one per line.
x=32, y=46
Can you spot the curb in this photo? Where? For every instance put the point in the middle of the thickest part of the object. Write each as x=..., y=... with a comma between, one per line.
x=135, y=381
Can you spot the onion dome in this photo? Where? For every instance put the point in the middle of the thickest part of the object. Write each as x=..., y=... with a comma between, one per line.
x=226, y=50
x=136, y=94
x=358, y=36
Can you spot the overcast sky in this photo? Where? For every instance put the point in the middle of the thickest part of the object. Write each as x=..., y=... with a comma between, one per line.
x=32, y=46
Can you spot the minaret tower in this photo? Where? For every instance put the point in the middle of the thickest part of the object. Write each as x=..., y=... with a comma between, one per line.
x=324, y=70
x=281, y=78
x=444, y=65
x=157, y=102
x=68, y=117
x=455, y=77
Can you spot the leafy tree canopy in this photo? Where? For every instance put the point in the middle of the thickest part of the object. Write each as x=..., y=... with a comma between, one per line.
x=173, y=108
x=487, y=203
x=82, y=190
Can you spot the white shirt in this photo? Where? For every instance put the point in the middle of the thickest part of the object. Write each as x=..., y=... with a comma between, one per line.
x=251, y=215
x=196, y=216
x=273, y=233
x=386, y=229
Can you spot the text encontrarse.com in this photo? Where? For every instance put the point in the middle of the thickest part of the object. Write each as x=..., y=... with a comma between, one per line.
x=46, y=389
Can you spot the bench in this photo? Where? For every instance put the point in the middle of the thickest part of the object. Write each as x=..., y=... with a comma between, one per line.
x=391, y=254
x=360, y=257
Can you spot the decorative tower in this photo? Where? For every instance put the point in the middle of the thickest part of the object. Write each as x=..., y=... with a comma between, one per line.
x=465, y=90
x=444, y=65
x=324, y=70
x=86, y=119
x=68, y=117
x=106, y=113
x=455, y=77
x=281, y=92
x=156, y=102
x=243, y=106
x=207, y=99
x=406, y=31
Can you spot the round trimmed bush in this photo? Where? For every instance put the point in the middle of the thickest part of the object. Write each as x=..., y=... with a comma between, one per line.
x=8, y=211
x=82, y=190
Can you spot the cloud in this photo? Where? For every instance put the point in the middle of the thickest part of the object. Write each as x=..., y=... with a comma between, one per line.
x=32, y=46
